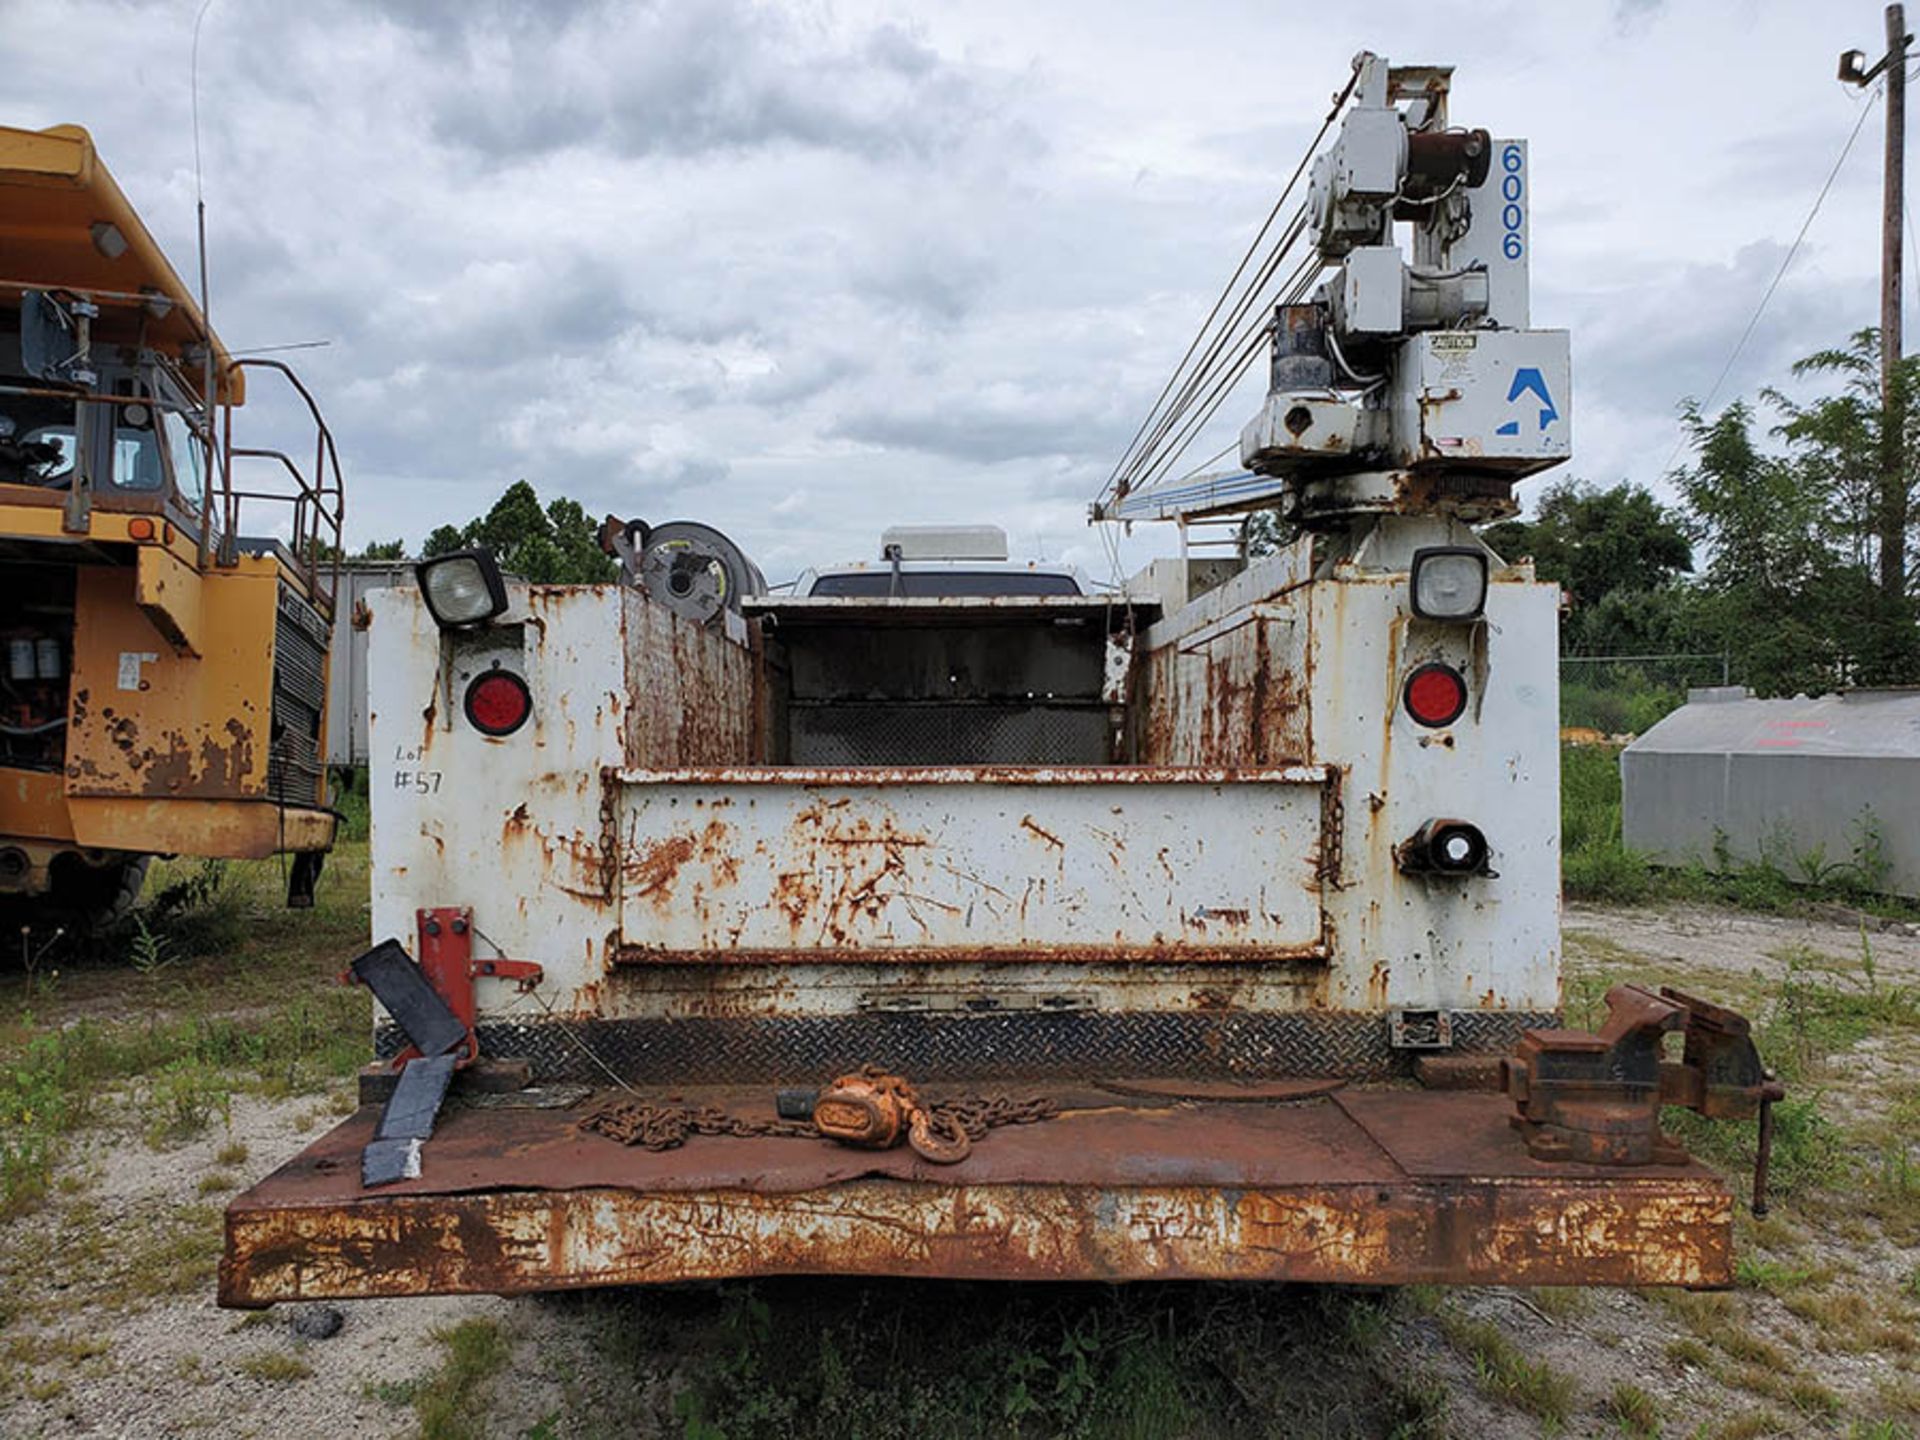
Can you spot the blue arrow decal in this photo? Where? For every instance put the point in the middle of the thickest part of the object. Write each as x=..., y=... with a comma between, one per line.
x=1528, y=380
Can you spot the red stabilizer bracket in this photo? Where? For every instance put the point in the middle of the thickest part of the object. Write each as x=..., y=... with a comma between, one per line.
x=444, y=952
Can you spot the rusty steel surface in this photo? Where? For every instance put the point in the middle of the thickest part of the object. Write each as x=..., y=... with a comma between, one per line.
x=147, y=719
x=689, y=700
x=964, y=864
x=229, y=829
x=1225, y=1091
x=889, y=775
x=1377, y=1187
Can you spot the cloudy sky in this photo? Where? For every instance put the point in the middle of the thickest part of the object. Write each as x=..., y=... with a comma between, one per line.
x=805, y=270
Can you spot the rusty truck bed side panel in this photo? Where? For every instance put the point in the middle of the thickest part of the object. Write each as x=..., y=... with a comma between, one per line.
x=1333, y=1189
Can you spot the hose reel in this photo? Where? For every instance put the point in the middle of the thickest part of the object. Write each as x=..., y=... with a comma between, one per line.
x=692, y=569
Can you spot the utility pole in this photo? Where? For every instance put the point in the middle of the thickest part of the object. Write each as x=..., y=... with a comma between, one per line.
x=1893, y=474
x=1893, y=458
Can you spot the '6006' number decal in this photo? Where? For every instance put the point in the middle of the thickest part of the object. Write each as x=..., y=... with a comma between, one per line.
x=1513, y=218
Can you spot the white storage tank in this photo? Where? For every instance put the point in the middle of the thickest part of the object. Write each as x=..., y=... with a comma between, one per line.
x=1803, y=783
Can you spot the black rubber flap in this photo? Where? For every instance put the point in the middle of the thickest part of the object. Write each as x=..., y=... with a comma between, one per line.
x=415, y=1102
x=402, y=987
x=385, y=1161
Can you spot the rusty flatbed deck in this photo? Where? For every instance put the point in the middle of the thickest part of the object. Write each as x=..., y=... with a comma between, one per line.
x=1374, y=1186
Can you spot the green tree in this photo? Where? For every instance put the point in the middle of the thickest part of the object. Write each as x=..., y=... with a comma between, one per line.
x=1834, y=443
x=1619, y=554
x=1263, y=532
x=555, y=545
x=1773, y=586
x=1595, y=542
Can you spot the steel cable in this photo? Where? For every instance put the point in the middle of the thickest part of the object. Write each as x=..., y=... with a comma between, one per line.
x=1119, y=481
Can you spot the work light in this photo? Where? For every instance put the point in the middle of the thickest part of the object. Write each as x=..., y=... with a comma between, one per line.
x=1446, y=847
x=1449, y=582
x=462, y=589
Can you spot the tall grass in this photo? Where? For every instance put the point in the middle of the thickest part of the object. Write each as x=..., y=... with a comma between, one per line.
x=1596, y=863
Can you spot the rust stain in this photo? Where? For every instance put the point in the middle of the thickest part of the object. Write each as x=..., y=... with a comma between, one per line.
x=1340, y=1188
x=654, y=870
x=804, y=915
x=1027, y=822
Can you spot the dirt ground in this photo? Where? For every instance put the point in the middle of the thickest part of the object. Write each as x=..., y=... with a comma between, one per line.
x=108, y=1327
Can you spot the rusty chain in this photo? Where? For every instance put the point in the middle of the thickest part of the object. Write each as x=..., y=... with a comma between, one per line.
x=1333, y=833
x=609, y=832
x=943, y=1133
x=666, y=1127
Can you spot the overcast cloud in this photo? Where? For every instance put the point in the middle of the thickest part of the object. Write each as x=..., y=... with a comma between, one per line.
x=805, y=270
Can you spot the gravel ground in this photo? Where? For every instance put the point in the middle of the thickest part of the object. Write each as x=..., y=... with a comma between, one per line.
x=124, y=1338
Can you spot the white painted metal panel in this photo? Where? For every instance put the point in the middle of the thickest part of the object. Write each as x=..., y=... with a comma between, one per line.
x=970, y=864
x=1416, y=941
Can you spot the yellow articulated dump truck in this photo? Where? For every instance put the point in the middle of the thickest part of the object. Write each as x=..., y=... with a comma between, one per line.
x=164, y=607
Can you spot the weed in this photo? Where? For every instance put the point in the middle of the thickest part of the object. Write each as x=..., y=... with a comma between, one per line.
x=1756, y=1272
x=391, y=1392
x=1773, y=1231
x=1597, y=865
x=50, y=1085
x=234, y=1152
x=1845, y=1320
x=1687, y=1351
x=830, y=1358
x=1823, y=1007
x=217, y=1182
x=1809, y=1152
x=148, y=951
x=1633, y=1410
x=1778, y=1381
x=451, y=1403
x=175, y=1253
x=1901, y=1393
x=275, y=1367
x=184, y=1098
x=1505, y=1373
x=1749, y=1425
x=197, y=913
x=1561, y=1302
x=82, y=1347
x=1740, y=1343
x=40, y=981
x=1810, y=1397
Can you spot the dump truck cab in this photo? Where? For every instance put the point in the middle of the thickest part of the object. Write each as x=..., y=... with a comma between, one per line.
x=162, y=681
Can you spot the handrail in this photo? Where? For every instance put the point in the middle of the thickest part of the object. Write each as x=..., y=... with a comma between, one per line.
x=318, y=503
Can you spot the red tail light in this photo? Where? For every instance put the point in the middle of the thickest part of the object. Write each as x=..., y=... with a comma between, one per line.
x=1436, y=694
x=498, y=703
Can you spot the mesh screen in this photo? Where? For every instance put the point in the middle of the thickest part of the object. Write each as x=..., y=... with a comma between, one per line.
x=299, y=698
x=936, y=734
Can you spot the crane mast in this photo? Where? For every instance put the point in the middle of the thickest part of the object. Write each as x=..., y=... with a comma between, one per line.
x=1410, y=381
